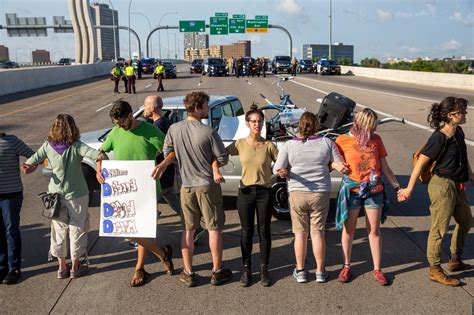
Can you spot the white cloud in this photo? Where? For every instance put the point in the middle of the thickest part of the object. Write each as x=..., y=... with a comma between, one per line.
x=291, y=7
x=295, y=50
x=414, y=50
x=465, y=20
x=256, y=40
x=451, y=45
x=384, y=16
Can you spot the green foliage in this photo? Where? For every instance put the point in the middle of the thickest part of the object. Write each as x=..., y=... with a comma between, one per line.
x=344, y=61
x=3, y=59
x=370, y=63
x=444, y=66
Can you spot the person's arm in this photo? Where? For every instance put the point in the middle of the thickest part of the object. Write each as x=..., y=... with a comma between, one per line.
x=32, y=163
x=98, y=165
x=423, y=160
x=218, y=178
x=388, y=173
x=281, y=164
x=218, y=149
x=471, y=174
x=161, y=168
x=337, y=162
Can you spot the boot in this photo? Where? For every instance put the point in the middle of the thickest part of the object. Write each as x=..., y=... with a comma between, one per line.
x=265, y=278
x=456, y=264
x=437, y=275
x=246, y=276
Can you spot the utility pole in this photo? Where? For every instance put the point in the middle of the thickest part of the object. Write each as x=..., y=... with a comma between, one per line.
x=330, y=29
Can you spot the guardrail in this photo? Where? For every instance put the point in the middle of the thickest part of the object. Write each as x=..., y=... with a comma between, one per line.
x=449, y=80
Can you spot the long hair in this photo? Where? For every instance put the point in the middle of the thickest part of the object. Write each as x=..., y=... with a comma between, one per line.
x=64, y=130
x=308, y=125
x=363, y=128
x=438, y=115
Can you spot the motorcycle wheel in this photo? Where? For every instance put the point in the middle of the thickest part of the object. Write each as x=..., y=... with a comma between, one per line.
x=280, y=209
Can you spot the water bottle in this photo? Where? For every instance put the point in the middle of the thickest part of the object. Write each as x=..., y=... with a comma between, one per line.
x=373, y=178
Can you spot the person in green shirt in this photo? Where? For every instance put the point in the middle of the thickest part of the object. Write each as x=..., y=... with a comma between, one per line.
x=132, y=139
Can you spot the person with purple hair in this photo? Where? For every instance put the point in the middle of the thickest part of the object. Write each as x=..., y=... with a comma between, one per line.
x=364, y=152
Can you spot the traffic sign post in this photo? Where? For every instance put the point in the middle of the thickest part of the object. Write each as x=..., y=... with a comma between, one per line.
x=256, y=26
x=219, y=25
x=192, y=26
x=236, y=26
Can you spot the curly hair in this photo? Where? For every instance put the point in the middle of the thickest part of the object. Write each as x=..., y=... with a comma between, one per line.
x=254, y=110
x=363, y=128
x=308, y=125
x=438, y=115
x=64, y=130
x=195, y=100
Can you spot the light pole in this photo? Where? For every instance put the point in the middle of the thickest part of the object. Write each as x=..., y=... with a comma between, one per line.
x=330, y=28
x=149, y=25
x=159, y=32
x=113, y=23
x=129, y=43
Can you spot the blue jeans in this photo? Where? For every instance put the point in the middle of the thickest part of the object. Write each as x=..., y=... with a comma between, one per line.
x=10, y=236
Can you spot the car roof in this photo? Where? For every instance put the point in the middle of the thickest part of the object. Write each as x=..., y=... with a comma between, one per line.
x=177, y=101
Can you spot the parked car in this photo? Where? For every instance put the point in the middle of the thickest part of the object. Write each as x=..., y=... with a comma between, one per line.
x=305, y=65
x=281, y=64
x=65, y=61
x=148, y=65
x=9, y=65
x=327, y=66
x=214, y=67
x=196, y=66
x=170, y=70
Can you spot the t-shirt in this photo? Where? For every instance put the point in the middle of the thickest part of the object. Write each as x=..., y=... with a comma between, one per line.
x=256, y=162
x=452, y=164
x=196, y=145
x=11, y=148
x=163, y=124
x=141, y=143
x=362, y=160
x=308, y=163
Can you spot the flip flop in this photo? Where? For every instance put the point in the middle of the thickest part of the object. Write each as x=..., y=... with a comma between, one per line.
x=139, y=274
x=168, y=250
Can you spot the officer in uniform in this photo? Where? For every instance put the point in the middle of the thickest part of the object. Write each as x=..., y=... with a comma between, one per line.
x=159, y=74
x=116, y=74
x=130, y=73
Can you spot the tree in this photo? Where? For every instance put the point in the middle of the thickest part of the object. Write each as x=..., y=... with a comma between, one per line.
x=370, y=63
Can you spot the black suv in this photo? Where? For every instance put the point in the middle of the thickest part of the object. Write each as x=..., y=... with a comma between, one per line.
x=214, y=67
x=196, y=66
x=305, y=65
x=281, y=64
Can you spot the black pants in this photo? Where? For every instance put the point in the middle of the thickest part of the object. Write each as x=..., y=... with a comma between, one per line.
x=160, y=82
x=251, y=199
x=131, y=84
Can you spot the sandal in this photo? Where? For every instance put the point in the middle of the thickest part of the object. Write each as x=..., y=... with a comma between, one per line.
x=140, y=277
x=168, y=259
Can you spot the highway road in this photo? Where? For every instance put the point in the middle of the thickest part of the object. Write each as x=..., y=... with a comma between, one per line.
x=29, y=116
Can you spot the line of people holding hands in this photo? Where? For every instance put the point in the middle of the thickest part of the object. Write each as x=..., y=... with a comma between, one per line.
x=197, y=151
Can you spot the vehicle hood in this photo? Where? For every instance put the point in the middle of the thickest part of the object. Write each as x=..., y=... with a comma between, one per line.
x=92, y=138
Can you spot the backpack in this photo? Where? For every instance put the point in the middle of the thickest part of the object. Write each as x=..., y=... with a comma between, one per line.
x=427, y=172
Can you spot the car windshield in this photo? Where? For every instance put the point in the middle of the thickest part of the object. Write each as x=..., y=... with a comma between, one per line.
x=216, y=62
x=328, y=62
x=148, y=61
x=283, y=59
x=306, y=62
x=197, y=61
x=168, y=64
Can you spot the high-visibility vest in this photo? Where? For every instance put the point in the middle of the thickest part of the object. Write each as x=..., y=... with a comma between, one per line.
x=160, y=69
x=116, y=72
x=130, y=70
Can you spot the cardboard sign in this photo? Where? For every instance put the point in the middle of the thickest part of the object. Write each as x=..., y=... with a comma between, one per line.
x=128, y=199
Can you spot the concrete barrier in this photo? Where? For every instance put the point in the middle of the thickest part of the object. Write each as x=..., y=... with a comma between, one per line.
x=20, y=80
x=449, y=80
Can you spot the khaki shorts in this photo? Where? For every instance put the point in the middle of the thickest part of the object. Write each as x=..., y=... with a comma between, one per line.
x=202, y=201
x=308, y=210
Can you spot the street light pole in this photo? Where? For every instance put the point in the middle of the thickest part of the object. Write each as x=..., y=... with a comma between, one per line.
x=149, y=25
x=330, y=28
x=159, y=33
x=113, y=23
x=129, y=43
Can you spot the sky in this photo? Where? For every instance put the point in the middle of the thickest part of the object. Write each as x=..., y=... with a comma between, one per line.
x=377, y=28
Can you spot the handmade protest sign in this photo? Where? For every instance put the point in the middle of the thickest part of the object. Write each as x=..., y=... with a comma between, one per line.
x=128, y=199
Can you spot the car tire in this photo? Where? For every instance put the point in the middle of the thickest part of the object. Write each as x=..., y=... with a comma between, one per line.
x=280, y=203
x=92, y=184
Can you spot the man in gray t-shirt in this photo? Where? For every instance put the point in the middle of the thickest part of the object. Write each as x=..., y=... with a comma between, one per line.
x=196, y=146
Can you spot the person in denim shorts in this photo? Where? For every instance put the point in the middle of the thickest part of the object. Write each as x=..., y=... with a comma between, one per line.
x=364, y=152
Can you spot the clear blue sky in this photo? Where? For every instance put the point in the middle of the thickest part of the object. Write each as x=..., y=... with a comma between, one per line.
x=376, y=28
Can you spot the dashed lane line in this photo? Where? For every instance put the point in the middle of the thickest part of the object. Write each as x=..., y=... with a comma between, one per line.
x=103, y=107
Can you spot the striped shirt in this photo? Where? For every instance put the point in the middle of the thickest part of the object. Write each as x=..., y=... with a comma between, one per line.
x=11, y=148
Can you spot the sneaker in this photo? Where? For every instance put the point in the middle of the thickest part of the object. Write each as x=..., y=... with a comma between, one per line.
x=300, y=276
x=198, y=234
x=345, y=274
x=12, y=276
x=64, y=273
x=380, y=277
x=221, y=276
x=81, y=271
x=188, y=279
x=321, y=277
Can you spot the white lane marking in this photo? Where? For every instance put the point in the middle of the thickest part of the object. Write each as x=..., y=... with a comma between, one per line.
x=110, y=104
x=147, y=86
x=408, y=122
x=378, y=92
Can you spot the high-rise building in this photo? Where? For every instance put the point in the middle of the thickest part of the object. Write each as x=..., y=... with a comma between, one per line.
x=338, y=51
x=102, y=15
x=41, y=56
x=241, y=48
x=196, y=41
x=4, y=53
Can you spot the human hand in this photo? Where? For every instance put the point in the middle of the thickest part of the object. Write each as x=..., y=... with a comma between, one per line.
x=158, y=171
x=403, y=195
x=341, y=167
x=282, y=172
x=27, y=169
x=218, y=178
x=99, y=177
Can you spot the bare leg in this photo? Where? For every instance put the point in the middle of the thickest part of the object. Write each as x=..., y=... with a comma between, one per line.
x=301, y=247
x=375, y=239
x=62, y=263
x=215, y=244
x=187, y=249
x=347, y=236
x=319, y=249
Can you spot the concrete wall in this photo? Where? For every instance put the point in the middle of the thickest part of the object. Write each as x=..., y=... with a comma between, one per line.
x=449, y=80
x=20, y=80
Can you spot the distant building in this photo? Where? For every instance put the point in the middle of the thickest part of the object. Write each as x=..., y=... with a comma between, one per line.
x=215, y=51
x=241, y=48
x=196, y=41
x=4, y=53
x=102, y=15
x=338, y=50
x=41, y=56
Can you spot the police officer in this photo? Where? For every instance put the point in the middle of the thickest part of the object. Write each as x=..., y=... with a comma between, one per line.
x=124, y=76
x=130, y=74
x=116, y=74
x=159, y=74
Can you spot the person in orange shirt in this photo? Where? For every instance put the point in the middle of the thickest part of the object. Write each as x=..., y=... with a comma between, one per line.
x=364, y=152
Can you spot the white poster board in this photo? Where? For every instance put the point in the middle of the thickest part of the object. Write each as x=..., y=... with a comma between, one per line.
x=128, y=199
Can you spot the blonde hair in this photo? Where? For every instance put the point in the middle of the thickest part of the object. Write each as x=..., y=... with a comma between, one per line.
x=364, y=126
x=64, y=130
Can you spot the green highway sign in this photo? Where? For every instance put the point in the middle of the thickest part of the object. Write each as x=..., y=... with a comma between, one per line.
x=238, y=16
x=236, y=26
x=261, y=17
x=256, y=26
x=222, y=14
x=219, y=25
x=192, y=26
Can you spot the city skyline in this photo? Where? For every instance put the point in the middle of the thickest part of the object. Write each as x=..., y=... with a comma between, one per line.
x=378, y=29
